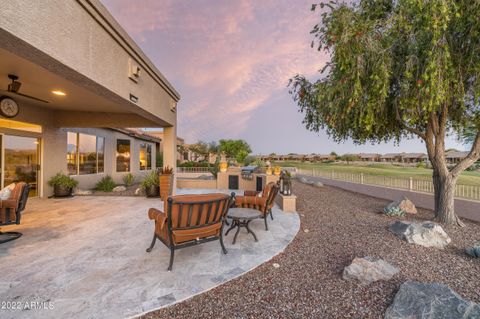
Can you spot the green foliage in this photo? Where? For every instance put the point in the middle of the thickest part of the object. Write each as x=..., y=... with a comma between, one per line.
x=167, y=170
x=151, y=179
x=128, y=179
x=105, y=184
x=159, y=159
x=334, y=154
x=474, y=167
x=474, y=251
x=393, y=211
x=396, y=69
x=421, y=165
x=235, y=149
x=194, y=164
x=200, y=148
x=61, y=179
x=249, y=160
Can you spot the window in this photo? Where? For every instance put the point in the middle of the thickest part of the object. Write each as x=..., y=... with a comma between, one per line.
x=145, y=156
x=123, y=155
x=100, y=154
x=85, y=154
x=72, y=153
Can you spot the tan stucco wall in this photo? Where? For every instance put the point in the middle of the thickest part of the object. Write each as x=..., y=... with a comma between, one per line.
x=196, y=184
x=79, y=34
x=53, y=151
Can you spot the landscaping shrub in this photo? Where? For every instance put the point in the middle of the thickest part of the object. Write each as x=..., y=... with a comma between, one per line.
x=151, y=179
x=128, y=179
x=61, y=179
x=106, y=184
x=421, y=165
x=474, y=167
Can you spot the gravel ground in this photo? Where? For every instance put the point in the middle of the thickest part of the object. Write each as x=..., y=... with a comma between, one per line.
x=336, y=227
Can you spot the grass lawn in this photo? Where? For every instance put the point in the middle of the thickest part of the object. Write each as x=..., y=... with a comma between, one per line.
x=467, y=178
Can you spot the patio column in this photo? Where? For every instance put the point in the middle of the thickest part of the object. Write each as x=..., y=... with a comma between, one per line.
x=170, y=151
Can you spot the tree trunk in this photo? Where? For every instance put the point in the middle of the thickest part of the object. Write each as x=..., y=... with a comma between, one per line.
x=444, y=199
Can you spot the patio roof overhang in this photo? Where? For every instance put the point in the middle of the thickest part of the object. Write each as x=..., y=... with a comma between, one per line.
x=78, y=48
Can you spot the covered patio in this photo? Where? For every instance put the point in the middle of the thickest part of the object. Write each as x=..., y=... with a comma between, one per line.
x=86, y=256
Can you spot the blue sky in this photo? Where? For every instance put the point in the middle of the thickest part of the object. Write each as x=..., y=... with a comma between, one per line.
x=231, y=61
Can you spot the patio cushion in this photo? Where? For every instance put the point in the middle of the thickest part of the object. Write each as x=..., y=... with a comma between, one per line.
x=5, y=193
x=181, y=236
x=9, y=207
x=251, y=202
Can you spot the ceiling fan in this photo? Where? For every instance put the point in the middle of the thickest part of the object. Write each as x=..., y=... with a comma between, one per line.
x=15, y=85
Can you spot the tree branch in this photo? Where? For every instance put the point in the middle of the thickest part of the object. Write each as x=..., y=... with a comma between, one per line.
x=471, y=158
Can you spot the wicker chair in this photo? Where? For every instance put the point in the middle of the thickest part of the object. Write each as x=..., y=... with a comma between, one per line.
x=11, y=210
x=264, y=203
x=190, y=220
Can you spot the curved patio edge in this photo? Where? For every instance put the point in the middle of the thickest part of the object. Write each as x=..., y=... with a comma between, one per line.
x=289, y=221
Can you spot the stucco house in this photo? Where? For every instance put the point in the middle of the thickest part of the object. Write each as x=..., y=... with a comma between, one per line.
x=71, y=81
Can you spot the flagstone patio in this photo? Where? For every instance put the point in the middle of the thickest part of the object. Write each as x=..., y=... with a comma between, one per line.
x=85, y=258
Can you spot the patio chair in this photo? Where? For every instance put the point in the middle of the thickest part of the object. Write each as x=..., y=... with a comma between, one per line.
x=190, y=220
x=11, y=210
x=263, y=203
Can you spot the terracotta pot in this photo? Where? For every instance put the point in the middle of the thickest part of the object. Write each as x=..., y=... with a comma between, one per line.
x=166, y=186
x=277, y=170
x=62, y=191
x=223, y=167
x=152, y=191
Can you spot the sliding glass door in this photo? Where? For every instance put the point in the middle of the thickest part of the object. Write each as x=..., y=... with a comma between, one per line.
x=21, y=161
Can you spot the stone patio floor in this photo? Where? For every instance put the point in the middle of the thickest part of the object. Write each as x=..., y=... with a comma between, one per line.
x=86, y=256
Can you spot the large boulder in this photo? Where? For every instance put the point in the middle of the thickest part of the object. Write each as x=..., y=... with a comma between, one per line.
x=120, y=188
x=403, y=204
x=427, y=234
x=367, y=270
x=318, y=184
x=430, y=301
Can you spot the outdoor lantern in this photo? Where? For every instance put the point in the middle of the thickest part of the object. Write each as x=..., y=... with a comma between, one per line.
x=285, y=184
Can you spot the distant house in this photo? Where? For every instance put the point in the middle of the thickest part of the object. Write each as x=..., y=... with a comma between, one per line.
x=391, y=157
x=414, y=157
x=369, y=157
x=453, y=157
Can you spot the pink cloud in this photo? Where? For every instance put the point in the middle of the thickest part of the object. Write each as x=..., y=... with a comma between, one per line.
x=227, y=58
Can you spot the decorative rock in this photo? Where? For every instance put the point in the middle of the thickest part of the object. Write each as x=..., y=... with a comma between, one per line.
x=306, y=231
x=427, y=234
x=430, y=301
x=138, y=191
x=303, y=180
x=474, y=251
x=275, y=265
x=318, y=184
x=403, y=204
x=83, y=192
x=367, y=270
x=119, y=189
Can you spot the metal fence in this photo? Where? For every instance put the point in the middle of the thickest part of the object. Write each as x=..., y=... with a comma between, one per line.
x=408, y=183
x=194, y=169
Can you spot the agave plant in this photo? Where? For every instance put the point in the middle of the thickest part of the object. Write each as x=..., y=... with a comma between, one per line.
x=393, y=211
x=474, y=251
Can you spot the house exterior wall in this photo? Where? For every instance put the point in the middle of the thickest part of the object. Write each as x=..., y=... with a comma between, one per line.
x=53, y=149
x=83, y=36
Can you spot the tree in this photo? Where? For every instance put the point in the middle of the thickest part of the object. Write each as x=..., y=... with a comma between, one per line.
x=235, y=149
x=334, y=154
x=399, y=69
x=200, y=148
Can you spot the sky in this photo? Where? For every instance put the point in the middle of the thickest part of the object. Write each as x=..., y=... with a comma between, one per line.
x=231, y=62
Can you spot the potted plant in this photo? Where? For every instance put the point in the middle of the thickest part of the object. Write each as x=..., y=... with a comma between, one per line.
x=166, y=182
x=62, y=184
x=150, y=185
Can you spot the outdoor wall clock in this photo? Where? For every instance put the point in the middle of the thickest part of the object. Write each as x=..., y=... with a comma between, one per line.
x=8, y=107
